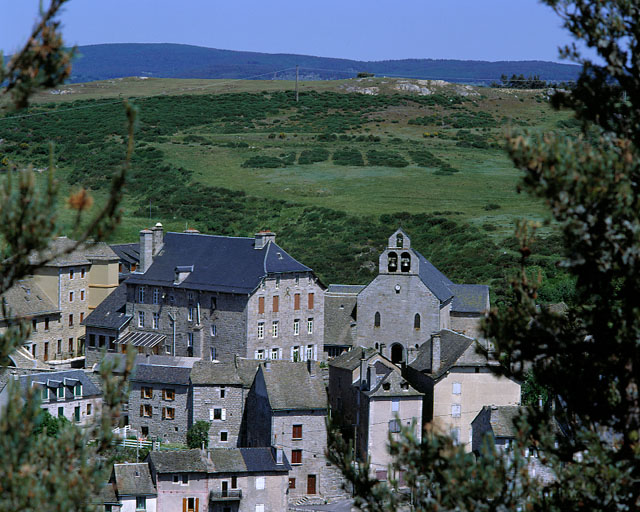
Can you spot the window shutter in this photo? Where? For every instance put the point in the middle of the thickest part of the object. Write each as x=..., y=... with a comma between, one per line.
x=164, y=413
x=315, y=352
x=276, y=303
x=197, y=504
x=142, y=410
x=210, y=414
x=142, y=392
x=224, y=414
x=260, y=305
x=311, y=301
x=292, y=353
x=184, y=504
x=296, y=301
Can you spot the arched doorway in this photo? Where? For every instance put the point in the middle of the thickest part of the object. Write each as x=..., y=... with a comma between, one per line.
x=397, y=353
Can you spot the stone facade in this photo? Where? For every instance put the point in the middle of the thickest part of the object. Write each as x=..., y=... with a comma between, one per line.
x=222, y=406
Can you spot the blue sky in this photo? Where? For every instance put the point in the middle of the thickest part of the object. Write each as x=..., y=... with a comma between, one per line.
x=355, y=29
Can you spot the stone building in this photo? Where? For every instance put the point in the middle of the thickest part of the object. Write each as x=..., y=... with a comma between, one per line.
x=287, y=407
x=370, y=400
x=159, y=401
x=455, y=374
x=68, y=393
x=221, y=480
x=134, y=488
x=410, y=299
x=340, y=315
x=219, y=392
x=216, y=297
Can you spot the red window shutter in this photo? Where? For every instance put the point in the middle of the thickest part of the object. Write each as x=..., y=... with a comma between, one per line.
x=296, y=301
x=141, y=393
x=311, y=301
x=197, y=504
x=276, y=303
x=261, y=305
x=184, y=504
x=142, y=410
x=164, y=413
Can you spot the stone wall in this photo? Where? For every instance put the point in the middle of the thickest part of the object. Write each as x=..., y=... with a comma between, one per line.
x=205, y=399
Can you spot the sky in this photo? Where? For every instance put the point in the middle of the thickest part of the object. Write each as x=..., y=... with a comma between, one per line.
x=353, y=29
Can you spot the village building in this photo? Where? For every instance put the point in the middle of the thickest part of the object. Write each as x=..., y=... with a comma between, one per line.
x=371, y=400
x=133, y=488
x=410, y=299
x=340, y=315
x=221, y=480
x=217, y=297
x=70, y=394
x=458, y=379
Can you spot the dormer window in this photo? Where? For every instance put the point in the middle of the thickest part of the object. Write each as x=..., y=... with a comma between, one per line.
x=399, y=240
x=392, y=262
x=181, y=273
x=405, y=262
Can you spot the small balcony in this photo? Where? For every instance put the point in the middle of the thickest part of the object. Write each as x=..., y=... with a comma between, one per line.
x=228, y=495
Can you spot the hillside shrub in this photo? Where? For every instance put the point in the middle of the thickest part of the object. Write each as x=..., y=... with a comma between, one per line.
x=348, y=156
x=263, y=162
x=386, y=159
x=310, y=156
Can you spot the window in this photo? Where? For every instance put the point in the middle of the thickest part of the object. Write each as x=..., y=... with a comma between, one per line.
x=376, y=320
x=190, y=314
x=169, y=394
x=297, y=280
x=146, y=411
x=140, y=294
x=70, y=273
x=224, y=436
x=310, y=352
x=260, y=483
x=112, y=343
x=296, y=327
x=395, y=405
x=276, y=303
x=81, y=317
x=77, y=390
x=259, y=354
x=457, y=388
x=295, y=353
x=275, y=353
x=213, y=353
x=140, y=318
x=214, y=330
x=92, y=340
x=141, y=503
x=416, y=321
x=214, y=303
x=223, y=391
x=310, y=326
x=176, y=479
x=190, y=296
x=394, y=426
x=46, y=324
x=260, y=330
x=70, y=296
x=71, y=320
x=82, y=272
x=168, y=413
x=296, y=301
x=101, y=341
x=260, y=507
x=33, y=350
x=234, y=482
x=76, y=414
x=296, y=456
x=185, y=479
x=274, y=329
x=59, y=346
x=155, y=320
x=217, y=414
x=190, y=340
x=455, y=410
x=296, y=432
x=81, y=294
x=146, y=392
x=277, y=282
x=156, y=295
x=70, y=344
x=89, y=410
x=310, y=302
x=455, y=434
x=34, y=325
x=292, y=483
x=260, y=305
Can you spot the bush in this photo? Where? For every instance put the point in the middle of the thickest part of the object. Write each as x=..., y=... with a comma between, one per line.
x=263, y=162
x=198, y=435
x=491, y=206
x=348, y=156
x=386, y=159
x=310, y=156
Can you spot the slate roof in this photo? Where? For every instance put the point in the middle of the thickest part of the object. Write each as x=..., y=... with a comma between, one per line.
x=347, y=289
x=27, y=299
x=66, y=379
x=220, y=263
x=469, y=298
x=247, y=460
x=111, y=312
x=339, y=323
x=291, y=387
x=159, y=374
x=246, y=369
x=351, y=360
x=207, y=372
x=133, y=479
x=501, y=419
x=433, y=279
x=80, y=256
x=180, y=461
x=106, y=495
x=163, y=360
x=127, y=252
x=392, y=385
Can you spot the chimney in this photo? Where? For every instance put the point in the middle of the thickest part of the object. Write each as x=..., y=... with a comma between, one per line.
x=146, y=249
x=263, y=238
x=158, y=238
x=311, y=367
x=364, y=384
x=435, y=352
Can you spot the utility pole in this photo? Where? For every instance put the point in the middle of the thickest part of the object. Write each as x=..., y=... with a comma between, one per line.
x=296, y=83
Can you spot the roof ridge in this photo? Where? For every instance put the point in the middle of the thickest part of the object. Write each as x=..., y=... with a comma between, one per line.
x=207, y=234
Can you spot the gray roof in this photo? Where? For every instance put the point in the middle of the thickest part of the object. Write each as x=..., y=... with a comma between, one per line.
x=502, y=420
x=351, y=360
x=433, y=279
x=133, y=479
x=339, y=322
x=162, y=360
x=470, y=298
x=346, y=289
x=207, y=372
x=393, y=385
x=27, y=299
x=247, y=369
x=218, y=460
x=290, y=386
x=66, y=379
x=220, y=263
x=129, y=253
x=180, y=461
x=111, y=312
x=82, y=255
x=159, y=374
x=106, y=495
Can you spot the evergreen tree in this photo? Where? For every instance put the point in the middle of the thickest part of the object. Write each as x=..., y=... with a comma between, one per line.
x=588, y=359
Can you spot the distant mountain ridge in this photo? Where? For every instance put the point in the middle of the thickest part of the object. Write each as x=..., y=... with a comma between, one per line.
x=167, y=60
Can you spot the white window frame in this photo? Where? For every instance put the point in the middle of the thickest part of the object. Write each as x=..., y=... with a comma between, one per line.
x=296, y=327
x=190, y=339
x=60, y=396
x=274, y=329
x=310, y=326
x=277, y=285
x=456, y=388
x=212, y=352
x=295, y=351
x=309, y=353
x=275, y=353
x=156, y=320
x=259, y=354
x=83, y=295
x=140, y=318
x=456, y=410
x=260, y=483
x=140, y=294
x=190, y=314
x=77, y=390
x=260, y=330
x=156, y=295
x=214, y=330
x=395, y=405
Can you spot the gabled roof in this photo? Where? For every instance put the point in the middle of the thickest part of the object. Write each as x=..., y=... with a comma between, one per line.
x=111, y=312
x=133, y=480
x=470, y=298
x=433, y=279
x=158, y=374
x=66, y=379
x=246, y=369
x=502, y=418
x=180, y=461
x=127, y=252
x=392, y=385
x=346, y=289
x=339, y=323
x=27, y=299
x=351, y=360
x=214, y=373
x=106, y=495
x=290, y=386
x=247, y=460
x=220, y=263
x=57, y=253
